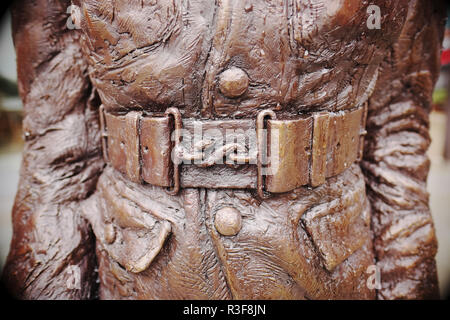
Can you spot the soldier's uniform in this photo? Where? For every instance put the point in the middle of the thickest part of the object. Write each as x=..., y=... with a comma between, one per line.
x=305, y=70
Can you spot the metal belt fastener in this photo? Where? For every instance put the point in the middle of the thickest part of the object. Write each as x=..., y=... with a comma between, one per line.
x=262, y=148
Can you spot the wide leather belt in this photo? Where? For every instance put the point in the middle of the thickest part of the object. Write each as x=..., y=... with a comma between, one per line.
x=267, y=154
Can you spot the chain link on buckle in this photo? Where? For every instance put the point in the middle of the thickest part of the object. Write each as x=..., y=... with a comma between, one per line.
x=261, y=146
x=228, y=151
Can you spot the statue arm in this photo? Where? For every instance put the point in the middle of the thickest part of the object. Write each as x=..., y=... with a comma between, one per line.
x=395, y=160
x=52, y=254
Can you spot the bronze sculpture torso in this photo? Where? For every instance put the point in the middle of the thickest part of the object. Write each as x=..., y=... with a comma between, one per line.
x=227, y=60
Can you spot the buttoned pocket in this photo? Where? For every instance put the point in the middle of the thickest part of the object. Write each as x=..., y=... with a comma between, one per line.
x=131, y=236
x=340, y=227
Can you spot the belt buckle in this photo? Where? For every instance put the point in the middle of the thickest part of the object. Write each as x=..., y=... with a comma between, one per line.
x=175, y=113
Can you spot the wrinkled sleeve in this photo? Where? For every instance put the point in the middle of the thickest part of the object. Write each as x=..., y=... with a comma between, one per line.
x=395, y=160
x=52, y=254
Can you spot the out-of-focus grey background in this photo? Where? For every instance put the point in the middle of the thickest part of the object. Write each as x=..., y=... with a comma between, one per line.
x=11, y=146
x=10, y=134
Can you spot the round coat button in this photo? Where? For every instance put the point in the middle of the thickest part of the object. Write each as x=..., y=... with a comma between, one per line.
x=233, y=82
x=228, y=221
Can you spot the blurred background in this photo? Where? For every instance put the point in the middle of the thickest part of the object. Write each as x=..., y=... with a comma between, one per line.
x=11, y=146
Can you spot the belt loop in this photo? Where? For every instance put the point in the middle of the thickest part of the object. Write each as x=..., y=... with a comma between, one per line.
x=260, y=135
x=176, y=166
x=363, y=131
x=103, y=133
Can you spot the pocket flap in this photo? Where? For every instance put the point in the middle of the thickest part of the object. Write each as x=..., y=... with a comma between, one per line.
x=338, y=228
x=132, y=237
x=135, y=249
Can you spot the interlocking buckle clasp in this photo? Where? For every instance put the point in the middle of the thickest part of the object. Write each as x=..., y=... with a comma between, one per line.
x=262, y=148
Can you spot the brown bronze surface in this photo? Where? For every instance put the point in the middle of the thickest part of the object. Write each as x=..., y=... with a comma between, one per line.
x=212, y=231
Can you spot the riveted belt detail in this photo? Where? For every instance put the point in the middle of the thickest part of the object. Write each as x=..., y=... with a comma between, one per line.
x=267, y=154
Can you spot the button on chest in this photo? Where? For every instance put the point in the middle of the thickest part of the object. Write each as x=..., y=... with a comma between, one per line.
x=233, y=82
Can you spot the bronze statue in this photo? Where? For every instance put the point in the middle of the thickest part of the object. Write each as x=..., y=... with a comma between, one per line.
x=319, y=185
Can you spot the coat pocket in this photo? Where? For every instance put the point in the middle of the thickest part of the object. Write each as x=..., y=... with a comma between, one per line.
x=340, y=227
x=132, y=237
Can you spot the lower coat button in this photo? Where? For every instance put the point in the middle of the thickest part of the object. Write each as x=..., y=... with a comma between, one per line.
x=228, y=221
